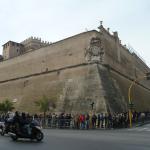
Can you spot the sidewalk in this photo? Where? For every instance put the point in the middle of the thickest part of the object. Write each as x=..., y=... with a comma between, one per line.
x=142, y=123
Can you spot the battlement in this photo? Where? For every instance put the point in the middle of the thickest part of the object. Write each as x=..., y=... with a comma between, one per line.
x=35, y=39
x=34, y=43
x=12, y=49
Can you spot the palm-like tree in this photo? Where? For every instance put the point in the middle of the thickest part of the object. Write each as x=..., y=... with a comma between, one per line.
x=6, y=106
x=44, y=104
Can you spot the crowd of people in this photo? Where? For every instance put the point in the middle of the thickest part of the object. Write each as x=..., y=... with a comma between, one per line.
x=93, y=121
x=82, y=121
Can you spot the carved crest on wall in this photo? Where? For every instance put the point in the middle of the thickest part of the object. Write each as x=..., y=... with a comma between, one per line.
x=95, y=51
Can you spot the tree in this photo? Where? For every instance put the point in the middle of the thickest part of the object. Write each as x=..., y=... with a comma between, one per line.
x=44, y=104
x=6, y=106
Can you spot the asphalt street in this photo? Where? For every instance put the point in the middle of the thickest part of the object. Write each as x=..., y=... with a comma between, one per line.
x=55, y=139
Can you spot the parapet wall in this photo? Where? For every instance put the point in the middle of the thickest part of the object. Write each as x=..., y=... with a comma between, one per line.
x=121, y=59
x=61, y=54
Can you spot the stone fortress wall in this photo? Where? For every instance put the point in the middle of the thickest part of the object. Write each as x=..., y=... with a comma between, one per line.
x=89, y=67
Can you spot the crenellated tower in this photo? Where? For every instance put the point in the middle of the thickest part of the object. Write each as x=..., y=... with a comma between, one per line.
x=12, y=49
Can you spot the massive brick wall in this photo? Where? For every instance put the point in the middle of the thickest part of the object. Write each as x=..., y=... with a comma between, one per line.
x=64, y=53
x=129, y=64
x=139, y=95
x=72, y=89
x=61, y=72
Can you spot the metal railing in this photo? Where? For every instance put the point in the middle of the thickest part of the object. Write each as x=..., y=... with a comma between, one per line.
x=105, y=123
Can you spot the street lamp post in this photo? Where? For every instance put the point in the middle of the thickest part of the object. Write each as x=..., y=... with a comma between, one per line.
x=129, y=95
x=130, y=101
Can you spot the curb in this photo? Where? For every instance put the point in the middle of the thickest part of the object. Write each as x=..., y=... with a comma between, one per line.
x=142, y=124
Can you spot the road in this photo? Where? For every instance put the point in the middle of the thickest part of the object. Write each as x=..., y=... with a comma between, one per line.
x=55, y=139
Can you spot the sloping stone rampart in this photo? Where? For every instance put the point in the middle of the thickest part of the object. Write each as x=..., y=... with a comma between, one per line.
x=74, y=75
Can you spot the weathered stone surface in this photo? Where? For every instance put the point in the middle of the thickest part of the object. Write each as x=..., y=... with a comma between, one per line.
x=73, y=90
x=91, y=67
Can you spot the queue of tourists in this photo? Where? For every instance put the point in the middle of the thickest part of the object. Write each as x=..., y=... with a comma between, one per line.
x=84, y=120
x=92, y=121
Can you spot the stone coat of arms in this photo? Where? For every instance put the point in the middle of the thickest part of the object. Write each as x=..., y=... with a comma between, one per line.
x=95, y=51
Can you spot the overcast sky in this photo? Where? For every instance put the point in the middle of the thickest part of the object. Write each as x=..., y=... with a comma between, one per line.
x=53, y=20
